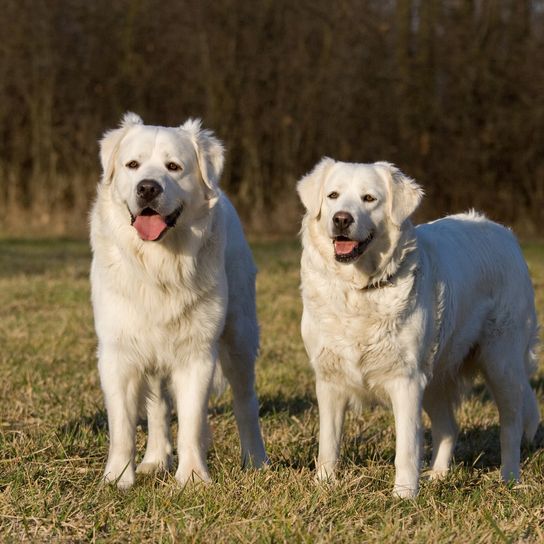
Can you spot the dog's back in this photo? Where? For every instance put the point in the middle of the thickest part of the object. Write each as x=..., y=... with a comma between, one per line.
x=483, y=271
x=481, y=276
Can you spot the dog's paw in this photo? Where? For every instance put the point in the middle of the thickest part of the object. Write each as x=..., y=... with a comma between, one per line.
x=324, y=474
x=192, y=476
x=510, y=475
x=436, y=474
x=123, y=477
x=256, y=461
x=404, y=491
x=150, y=466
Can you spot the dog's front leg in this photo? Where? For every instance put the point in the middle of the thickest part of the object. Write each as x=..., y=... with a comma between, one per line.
x=332, y=404
x=191, y=383
x=122, y=388
x=158, y=452
x=406, y=394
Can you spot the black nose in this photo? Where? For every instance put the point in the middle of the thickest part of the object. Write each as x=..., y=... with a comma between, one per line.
x=342, y=220
x=148, y=189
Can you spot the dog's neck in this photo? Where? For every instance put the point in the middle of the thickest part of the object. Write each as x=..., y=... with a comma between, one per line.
x=399, y=261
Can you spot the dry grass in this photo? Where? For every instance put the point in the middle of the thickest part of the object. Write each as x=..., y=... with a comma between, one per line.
x=53, y=436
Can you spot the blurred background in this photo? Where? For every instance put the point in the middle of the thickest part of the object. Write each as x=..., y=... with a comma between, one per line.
x=452, y=91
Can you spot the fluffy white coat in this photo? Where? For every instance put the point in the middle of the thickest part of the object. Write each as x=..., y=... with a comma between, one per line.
x=166, y=311
x=411, y=315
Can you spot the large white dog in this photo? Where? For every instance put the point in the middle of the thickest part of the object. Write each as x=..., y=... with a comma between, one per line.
x=173, y=291
x=410, y=313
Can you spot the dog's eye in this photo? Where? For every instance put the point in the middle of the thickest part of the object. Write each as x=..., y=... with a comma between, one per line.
x=132, y=165
x=333, y=196
x=368, y=198
x=173, y=167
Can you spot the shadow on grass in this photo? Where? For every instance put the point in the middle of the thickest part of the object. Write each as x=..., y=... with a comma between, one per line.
x=477, y=447
x=34, y=257
x=288, y=405
x=270, y=405
x=96, y=424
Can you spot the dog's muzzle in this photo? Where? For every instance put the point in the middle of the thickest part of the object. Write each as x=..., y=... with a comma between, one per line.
x=152, y=226
x=347, y=250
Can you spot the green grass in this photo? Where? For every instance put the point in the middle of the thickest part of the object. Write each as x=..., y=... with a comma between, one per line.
x=53, y=435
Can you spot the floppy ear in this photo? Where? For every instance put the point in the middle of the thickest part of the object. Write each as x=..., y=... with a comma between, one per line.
x=404, y=193
x=310, y=187
x=210, y=154
x=109, y=144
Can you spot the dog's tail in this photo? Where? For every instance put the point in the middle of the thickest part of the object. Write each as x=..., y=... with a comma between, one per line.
x=531, y=412
x=219, y=383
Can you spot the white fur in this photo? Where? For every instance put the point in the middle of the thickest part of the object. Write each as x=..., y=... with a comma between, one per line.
x=166, y=311
x=413, y=317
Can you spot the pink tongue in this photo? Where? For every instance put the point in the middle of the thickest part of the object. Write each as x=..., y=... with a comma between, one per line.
x=344, y=247
x=149, y=227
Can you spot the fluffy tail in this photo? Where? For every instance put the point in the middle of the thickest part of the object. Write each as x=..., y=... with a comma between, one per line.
x=219, y=383
x=531, y=412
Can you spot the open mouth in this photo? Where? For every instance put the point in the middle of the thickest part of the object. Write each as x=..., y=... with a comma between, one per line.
x=347, y=250
x=151, y=225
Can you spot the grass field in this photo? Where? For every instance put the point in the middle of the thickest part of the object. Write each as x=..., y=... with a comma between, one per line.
x=53, y=435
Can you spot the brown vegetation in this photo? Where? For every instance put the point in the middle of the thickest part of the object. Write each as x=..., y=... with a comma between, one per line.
x=450, y=90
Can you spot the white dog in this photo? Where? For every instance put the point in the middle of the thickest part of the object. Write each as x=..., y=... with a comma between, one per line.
x=411, y=312
x=173, y=291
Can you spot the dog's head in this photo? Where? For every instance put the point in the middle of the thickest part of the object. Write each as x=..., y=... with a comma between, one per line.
x=162, y=175
x=357, y=204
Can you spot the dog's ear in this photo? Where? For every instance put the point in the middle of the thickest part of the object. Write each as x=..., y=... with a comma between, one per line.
x=404, y=193
x=109, y=144
x=210, y=155
x=310, y=187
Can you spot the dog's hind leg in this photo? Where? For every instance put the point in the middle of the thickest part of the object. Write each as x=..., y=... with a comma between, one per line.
x=158, y=452
x=237, y=362
x=505, y=376
x=439, y=402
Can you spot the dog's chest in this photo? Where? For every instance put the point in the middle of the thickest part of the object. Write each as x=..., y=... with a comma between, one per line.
x=158, y=318
x=356, y=332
